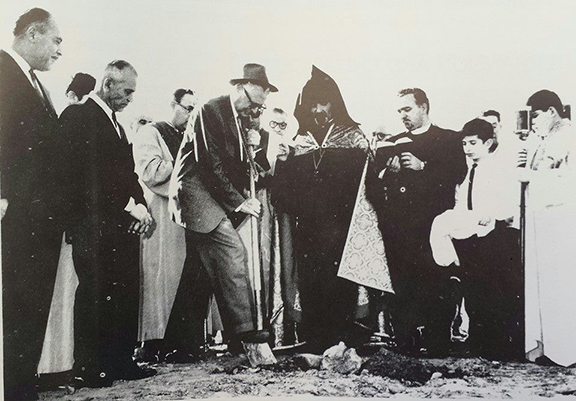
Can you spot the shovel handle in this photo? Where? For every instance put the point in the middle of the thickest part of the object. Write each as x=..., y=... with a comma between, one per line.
x=255, y=249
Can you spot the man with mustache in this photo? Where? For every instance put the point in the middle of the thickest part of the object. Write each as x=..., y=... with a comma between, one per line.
x=31, y=216
x=419, y=171
x=108, y=213
x=318, y=185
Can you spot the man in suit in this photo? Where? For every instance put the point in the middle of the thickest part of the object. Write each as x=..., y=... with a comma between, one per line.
x=31, y=230
x=419, y=171
x=209, y=195
x=108, y=208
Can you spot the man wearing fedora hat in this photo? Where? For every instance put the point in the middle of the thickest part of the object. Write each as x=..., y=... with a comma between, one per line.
x=209, y=195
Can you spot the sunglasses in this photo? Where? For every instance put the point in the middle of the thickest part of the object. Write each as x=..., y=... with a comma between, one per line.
x=189, y=109
x=274, y=124
x=256, y=109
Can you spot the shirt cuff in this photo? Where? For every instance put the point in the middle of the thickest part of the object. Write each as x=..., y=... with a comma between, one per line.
x=130, y=206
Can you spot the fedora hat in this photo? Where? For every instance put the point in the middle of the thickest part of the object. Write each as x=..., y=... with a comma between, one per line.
x=256, y=74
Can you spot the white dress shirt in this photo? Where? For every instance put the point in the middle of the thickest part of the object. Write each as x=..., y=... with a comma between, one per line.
x=131, y=206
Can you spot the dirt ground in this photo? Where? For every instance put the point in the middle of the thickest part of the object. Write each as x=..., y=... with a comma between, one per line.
x=383, y=375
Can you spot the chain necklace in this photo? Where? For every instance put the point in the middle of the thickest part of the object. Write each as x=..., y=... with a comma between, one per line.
x=321, y=150
x=317, y=162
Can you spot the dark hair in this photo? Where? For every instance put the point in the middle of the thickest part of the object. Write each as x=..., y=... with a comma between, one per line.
x=278, y=110
x=34, y=15
x=81, y=84
x=480, y=128
x=120, y=65
x=179, y=94
x=489, y=113
x=419, y=96
x=544, y=99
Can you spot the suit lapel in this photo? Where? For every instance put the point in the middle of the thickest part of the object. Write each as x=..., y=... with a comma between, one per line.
x=234, y=135
x=27, y=92
x=107, y=132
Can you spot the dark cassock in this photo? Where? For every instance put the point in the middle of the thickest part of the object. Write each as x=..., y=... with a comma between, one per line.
x=407, y=202
x=318, y=185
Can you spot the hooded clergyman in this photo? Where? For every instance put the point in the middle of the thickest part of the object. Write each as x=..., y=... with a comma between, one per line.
x=318, y=184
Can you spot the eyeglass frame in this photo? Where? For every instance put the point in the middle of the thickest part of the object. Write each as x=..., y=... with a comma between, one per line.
x=253, y=105
x=189, y=109
x=273, y=124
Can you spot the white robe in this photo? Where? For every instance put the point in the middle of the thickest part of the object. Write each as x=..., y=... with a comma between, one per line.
x=551, y=249
x=163, y=254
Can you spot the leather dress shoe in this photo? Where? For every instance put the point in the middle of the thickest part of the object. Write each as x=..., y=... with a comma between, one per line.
x=134, y=372
x=96, y=380
x=187, y=356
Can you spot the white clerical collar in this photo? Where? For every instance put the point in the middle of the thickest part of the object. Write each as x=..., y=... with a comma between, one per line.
x=23, y=64
x=422, y=129
x=92, y=95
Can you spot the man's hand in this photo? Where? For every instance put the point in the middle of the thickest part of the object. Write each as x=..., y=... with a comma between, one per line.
x=485, y=220
x=253, y=138
x=251, y=206
x=283, y=152
x=3, y=207
x=143, y=220
x=411, y=162
x=393, y=164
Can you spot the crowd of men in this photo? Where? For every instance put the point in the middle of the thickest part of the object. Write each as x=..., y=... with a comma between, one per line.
x=178, y=193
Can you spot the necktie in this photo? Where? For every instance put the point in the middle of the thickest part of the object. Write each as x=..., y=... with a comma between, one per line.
x=119, y=128
x=40, y=90
x=470, y=184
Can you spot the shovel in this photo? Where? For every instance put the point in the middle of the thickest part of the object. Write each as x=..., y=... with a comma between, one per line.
x=257, y=353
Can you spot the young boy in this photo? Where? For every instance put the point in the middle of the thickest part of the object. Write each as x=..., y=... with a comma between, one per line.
x=476, y=239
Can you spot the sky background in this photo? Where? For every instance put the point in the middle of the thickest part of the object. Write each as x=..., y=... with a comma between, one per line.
x=468, y=56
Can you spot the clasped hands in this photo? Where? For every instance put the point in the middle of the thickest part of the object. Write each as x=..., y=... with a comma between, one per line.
x=406, y=160
x=143, y=222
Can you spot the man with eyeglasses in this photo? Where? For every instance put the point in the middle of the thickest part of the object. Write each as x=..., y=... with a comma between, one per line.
x=209, y=196
x=163, y=253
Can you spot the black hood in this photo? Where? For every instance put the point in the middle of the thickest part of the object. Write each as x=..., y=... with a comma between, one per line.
x=320, y=88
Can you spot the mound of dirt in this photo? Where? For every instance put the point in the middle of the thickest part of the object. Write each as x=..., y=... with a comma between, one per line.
x=414, y=372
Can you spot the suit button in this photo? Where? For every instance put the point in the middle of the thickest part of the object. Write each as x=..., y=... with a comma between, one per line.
x=108, y=298
x=402, y=189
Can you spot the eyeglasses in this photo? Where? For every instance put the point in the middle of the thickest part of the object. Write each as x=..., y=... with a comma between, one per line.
x=189, y=109
x=274, y=124
x=256, y=109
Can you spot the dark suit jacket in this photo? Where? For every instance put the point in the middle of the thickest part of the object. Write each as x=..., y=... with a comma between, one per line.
x=204, y=192
x=414, y=198
x=101, y=176
x=28, y=143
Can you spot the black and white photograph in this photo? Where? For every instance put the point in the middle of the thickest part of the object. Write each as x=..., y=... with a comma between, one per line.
x=312, y=199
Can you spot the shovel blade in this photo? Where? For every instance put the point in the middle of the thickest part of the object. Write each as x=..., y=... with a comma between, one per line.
x=259, y=354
